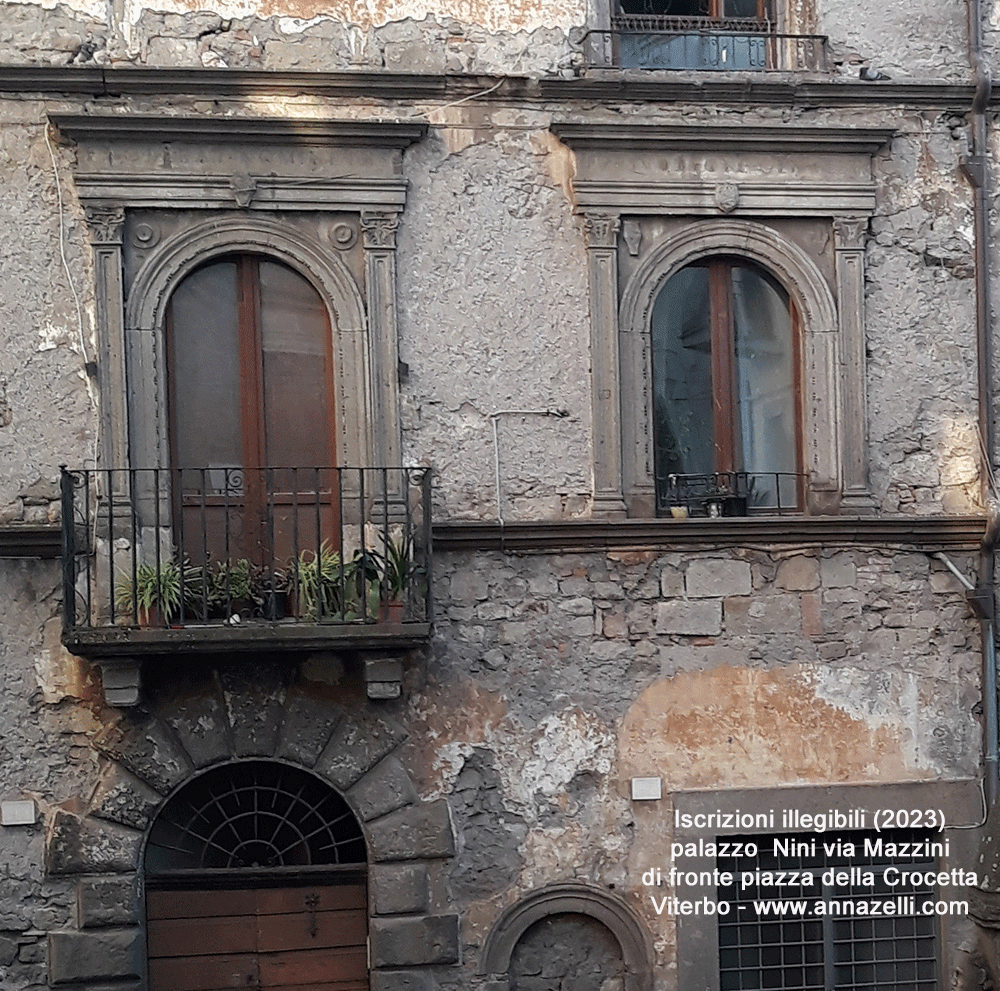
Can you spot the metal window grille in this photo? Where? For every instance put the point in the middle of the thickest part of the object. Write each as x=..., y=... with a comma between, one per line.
x=254, y=815
x=816, y=951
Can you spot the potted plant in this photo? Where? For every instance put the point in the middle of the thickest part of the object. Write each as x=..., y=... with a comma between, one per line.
x=397, y=572
x=156, y=594
x=270, y=588
x=230, y=587
x=320, y=581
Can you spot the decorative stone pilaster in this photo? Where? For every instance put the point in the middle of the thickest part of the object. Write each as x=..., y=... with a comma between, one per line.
x=849, y=245
x=601, y=235
x=107, y=226
x=378, y=229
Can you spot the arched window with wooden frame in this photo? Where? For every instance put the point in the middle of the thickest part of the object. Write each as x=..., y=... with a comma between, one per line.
x=726, y=389
x=251, y=410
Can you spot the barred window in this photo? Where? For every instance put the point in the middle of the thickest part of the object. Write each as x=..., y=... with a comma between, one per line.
x=824, y=934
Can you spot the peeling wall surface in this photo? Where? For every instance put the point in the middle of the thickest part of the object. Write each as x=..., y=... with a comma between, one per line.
x=578, y=642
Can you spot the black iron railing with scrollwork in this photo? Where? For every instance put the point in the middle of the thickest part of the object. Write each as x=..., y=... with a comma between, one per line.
x=221, y=545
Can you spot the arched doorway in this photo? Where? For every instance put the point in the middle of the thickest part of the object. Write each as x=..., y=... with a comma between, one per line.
x=256, y=878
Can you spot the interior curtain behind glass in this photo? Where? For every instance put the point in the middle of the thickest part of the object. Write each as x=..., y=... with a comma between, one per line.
x=682, y=375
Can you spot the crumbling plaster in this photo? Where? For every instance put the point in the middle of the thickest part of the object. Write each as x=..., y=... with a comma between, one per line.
x=46, y=414
x=529, y=36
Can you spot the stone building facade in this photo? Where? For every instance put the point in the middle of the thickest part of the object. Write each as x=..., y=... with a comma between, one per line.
x=498, y=208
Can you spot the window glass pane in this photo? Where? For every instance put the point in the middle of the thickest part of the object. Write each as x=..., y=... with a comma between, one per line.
x=682, y=375
x=764, y=381
x=741, y=8
x=294, y=338
x=204, y=372
x=672, y=8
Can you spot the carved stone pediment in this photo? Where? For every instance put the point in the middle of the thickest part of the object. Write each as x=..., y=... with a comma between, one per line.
x=749, y=169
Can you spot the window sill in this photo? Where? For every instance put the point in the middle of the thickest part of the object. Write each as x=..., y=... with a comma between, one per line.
x=924, y=533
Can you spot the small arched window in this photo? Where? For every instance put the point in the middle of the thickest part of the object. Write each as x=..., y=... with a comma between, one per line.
x=726, y=383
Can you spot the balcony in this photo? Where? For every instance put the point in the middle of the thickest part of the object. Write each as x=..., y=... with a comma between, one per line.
x=228, y=560
x=730, y=493
x=702, y=44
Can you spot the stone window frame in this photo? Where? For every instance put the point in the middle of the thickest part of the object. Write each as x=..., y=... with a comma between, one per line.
x=264, y=210
x=819, y=347
x=182, y=254
x=726, y=181
x=697, y=936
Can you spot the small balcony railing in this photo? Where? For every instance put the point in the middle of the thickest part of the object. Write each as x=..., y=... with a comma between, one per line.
x=237, y=549
x=730, y=493
x=733, y=45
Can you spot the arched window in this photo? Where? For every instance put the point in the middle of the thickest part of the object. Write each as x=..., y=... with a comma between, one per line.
x=251, y=408
x=256, y=877
x=725, y=374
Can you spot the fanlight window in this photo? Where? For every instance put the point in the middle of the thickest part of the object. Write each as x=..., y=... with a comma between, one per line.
x=254, y=815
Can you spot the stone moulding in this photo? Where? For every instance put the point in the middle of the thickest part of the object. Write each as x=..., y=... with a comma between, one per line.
x=922, y=533
x=641, y=86
x=577, y=898
x=30, y=540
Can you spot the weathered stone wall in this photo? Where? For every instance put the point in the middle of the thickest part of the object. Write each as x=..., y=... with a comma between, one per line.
x=493, y=313
x=910, y=41
x=46, y=414
x=45, y=757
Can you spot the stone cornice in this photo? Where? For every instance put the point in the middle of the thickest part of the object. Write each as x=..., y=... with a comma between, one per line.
x=920, y=533
x=30, y=540
x=240, y=130
x=602, y=86
x=724, y=138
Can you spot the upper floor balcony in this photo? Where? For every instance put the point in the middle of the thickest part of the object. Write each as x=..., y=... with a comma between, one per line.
x=223, y=560
x=655, y=41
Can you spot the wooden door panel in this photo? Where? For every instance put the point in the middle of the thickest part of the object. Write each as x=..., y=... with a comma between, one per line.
x=198, y=936
x=307, y=931
x=274, y=939
x=331, y=898
x=203, y=973
x=279, y=970
x=199, y=904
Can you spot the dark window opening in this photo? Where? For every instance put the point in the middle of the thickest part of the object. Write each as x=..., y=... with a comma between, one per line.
x=715, y=9
x=735, y=35
x=251, y=410
x=725, y=385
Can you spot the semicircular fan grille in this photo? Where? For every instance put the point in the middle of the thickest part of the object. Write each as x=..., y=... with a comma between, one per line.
x=254, y=815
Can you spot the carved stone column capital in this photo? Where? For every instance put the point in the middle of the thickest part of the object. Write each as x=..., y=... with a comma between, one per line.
x=600, y=230
x=378, y=228
x=849, y=233
x=106, y=223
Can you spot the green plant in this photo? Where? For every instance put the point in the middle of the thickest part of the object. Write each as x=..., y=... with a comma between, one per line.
x=398, y=567
x=165, y=588
x=322, y=579
x=230, y=582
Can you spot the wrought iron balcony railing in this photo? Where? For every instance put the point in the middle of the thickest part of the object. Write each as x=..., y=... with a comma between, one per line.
x=730, y=493
x=652, y=42
x=242, y=548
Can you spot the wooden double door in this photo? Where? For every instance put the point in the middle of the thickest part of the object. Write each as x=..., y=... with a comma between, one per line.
x=302, y=938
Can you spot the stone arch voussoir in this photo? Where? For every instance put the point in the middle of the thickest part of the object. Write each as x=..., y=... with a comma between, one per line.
x=575, y=898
